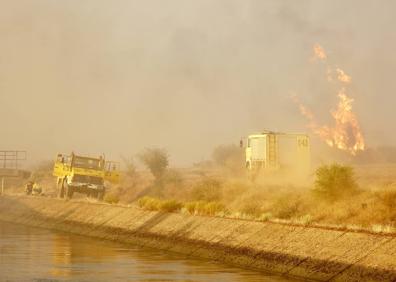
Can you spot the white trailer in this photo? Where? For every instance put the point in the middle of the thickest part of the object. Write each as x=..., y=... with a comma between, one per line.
x=274, y=151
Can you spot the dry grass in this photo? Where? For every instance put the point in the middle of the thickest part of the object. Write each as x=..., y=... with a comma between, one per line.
x=154, y=204
x=211, y=193
x=111, y=198
x=205, y=208
x=170, y=206
x=208, y=191
x=149, y=203
x=193, y=208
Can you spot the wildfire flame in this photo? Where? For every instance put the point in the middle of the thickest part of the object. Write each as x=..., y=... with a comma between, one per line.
x=319, y=52
x=342, y=76
x=345, y=134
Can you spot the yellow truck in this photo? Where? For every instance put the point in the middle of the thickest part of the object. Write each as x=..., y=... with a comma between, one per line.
x=84, y=175
x=273, y=151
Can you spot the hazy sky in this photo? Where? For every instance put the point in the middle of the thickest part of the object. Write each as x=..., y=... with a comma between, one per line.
x=117, y=76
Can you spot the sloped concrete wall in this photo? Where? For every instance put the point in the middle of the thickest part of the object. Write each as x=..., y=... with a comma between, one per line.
x=295, y=251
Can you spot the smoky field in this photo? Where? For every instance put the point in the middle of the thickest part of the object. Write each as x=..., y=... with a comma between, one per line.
x=359, y=196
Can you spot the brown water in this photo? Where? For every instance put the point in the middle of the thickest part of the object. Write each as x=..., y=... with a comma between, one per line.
x=33, y=254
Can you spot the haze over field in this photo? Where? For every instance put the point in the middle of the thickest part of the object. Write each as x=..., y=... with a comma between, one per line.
x=118, y=76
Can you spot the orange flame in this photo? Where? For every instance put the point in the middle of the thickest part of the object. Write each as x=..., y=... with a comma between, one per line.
x=342, y=76
x=345, y=134
x=319, y=52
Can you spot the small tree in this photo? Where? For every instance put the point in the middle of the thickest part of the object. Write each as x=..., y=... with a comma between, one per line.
x=334, y=181
x=156, y=160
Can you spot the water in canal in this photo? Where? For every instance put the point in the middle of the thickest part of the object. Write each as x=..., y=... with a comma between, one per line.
x=33, y=254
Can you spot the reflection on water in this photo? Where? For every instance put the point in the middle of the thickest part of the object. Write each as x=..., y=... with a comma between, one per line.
x=32, y=254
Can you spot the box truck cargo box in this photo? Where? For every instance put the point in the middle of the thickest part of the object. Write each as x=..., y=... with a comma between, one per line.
x=278, y=151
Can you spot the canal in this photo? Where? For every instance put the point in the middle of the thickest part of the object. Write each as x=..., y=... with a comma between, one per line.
x=33, y=254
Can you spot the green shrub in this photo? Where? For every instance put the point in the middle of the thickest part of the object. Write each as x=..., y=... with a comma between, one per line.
x=334, y=181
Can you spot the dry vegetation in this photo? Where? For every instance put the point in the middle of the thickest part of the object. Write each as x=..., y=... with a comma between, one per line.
x=213, y=194
x=336, y=195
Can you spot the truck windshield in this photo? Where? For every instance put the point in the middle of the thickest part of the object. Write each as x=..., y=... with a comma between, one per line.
x=87, y=163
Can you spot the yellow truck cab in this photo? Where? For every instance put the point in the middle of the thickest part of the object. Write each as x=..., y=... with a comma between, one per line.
x=273, y=151
x=84, y=175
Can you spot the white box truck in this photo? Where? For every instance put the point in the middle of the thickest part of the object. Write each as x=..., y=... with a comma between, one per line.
x=273, y=151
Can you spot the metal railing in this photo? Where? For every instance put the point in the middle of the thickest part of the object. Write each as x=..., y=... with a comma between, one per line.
x=9, y=164
x=9, y=159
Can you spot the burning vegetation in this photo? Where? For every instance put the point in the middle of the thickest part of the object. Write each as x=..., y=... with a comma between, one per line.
x=345, y=134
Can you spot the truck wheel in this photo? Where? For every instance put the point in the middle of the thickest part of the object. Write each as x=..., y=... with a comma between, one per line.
x=61, y=189
x=69, y=191
x=94, y=194
x=91, y=193
x=101, y=194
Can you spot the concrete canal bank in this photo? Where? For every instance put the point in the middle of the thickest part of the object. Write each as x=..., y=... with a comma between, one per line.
x=295, y=251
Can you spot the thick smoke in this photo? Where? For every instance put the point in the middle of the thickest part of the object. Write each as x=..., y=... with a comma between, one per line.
x=115, y=77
